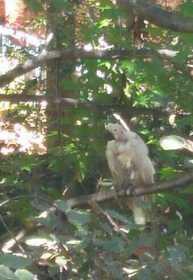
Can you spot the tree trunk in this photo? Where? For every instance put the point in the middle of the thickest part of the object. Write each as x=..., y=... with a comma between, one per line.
x=57, y=72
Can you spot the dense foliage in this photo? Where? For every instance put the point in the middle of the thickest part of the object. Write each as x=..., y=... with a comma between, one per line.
x=42, y=237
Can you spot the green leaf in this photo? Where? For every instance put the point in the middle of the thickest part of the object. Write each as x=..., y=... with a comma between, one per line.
x=129, y=66
x=23, y=274
x=187, y=8
x=104, y=23
x=26, y=168
x=6, y=273
x=176, y=255
x=78, y=218
x=14, y=261
x=113, y=268
x=62, y=205
x=120, y=217
x=115, y=245
x=59, y=4
x=166, y=172
x=35, y=5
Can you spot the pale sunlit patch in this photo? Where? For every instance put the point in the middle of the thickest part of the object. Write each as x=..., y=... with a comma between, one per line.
x=88, y=47
x=108, y=88
x=103, y=44
x=7, y=150
x=100, y=74
x=19, y=138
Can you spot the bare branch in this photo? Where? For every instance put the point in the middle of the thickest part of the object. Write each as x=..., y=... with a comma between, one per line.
x=180, y=182
x=71, y=54
x=158, y=16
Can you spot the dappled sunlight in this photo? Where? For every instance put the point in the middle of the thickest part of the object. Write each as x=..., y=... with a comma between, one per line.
x=18, y=138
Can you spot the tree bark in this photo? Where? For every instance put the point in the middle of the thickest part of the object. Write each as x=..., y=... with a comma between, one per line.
x=73, y=54
x=184, y=180
x=158, y=16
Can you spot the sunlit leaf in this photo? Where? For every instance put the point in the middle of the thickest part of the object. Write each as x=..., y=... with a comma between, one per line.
x=23, y=274
x=38, y=241
x=73, y=242
x=172, y=142
x=104, y=23
x=26, y=168
x=61, y=261
x=167, y=172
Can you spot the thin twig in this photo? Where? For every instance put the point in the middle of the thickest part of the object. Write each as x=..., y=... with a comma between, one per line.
x=11, y=234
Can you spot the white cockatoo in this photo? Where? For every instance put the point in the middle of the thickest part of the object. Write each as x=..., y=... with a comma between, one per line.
x=128, y=160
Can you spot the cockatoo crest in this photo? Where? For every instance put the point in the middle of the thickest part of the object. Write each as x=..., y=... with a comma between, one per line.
x=118, y=131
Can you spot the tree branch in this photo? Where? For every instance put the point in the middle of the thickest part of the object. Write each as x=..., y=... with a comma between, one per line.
x=180, y=182
x=89, y=105
x=67, y=54
x=158, y=16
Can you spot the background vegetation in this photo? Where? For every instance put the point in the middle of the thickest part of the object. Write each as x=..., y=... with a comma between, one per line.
x=101, y=57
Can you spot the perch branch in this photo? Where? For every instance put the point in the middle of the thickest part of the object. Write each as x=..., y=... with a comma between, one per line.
x=179, y=182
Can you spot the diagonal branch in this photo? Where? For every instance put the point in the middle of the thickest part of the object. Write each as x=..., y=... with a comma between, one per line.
x=158, y=16
x=70, y=54
x=180, y=182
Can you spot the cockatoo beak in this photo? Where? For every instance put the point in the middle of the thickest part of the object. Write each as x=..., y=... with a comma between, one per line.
x=108, y=127
x=108, y=133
